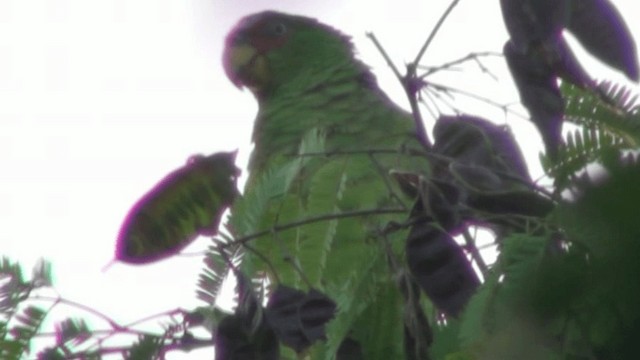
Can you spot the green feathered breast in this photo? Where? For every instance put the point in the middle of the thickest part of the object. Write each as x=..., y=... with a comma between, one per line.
x=326, y=138
x=188, y=202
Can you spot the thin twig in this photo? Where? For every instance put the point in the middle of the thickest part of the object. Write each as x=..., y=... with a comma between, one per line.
x=385, y=179
x=485, y=70
x=354, y=152
x=193, y=343
x=435, y=31
x=108, y=332
x=314, y=219
x=263, y=258
x=435, y=95
x=475, y=253
x=290, y=258
x=502, y=107
x=435, y=156
x=448, y=65
x=409, y=89
x=158, y=315
x=431, y=112
x=61, y=300
x=386, y=57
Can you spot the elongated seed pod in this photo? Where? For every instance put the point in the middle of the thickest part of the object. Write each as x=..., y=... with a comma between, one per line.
x=186, y=203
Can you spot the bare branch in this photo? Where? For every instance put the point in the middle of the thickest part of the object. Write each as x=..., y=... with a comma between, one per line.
x=502, y=107
x=435, y=31
x=448, y=65
x=475, y=253
x=314, y=219
x=386, y=57
x=410, y=88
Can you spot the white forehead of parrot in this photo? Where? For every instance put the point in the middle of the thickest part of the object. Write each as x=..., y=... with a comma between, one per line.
x=195, y=158
x=199, y=157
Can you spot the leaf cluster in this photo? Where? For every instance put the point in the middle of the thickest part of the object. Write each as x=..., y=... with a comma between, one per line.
x=564, y=285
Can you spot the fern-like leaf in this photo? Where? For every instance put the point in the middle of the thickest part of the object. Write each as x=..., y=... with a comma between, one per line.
x=248, y=211
x=28, y=321
x=352, y=296
x=257, y=209
x=612, y=107
x=217, y=269
x=609, y=119
x=74, y=330
x=13, y=287
x=42, y=275
x=146, y=348
x=325, y=192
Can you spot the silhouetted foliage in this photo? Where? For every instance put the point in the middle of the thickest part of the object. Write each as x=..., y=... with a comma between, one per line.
x=565, y=282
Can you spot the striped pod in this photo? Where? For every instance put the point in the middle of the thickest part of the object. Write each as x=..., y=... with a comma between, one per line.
x=439, y=266
x=188, y=202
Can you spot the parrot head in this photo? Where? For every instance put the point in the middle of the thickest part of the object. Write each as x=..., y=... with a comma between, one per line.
x=267, y=50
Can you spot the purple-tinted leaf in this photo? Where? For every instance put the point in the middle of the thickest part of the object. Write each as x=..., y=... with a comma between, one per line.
x=439, y=266
x=299, y=319
x=315, y=311
x=526, y=203
x=531, y=22
x=484, y=152
x=600, y=28
x=473, y=140
x=442, y=199
x=568, y=67
x=235, y=341
x=246, y=334
x=539, y=93
x=282, y=313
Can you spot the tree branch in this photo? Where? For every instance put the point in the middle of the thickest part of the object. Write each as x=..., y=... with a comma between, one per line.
x=475, y=253
x=435, y=31
x=472, y=56
x=408, y=84
x=314, y=219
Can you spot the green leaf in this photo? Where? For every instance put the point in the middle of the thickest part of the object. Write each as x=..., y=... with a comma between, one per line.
x=42, y=275
x=248, y=211
x=446, y=340
x=609, y=120
x=75, y=330
x=478, y=319
x=29, y=321
x=146, y=348
x=13, y=289
x=218, y=266
x=325, y=193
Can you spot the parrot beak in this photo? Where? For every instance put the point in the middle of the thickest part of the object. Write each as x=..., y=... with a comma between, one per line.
x=243, y=64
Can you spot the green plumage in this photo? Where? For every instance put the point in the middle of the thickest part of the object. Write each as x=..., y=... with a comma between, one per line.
x=326, y=138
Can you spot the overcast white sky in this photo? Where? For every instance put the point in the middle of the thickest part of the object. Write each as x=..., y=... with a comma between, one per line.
x=99, y=99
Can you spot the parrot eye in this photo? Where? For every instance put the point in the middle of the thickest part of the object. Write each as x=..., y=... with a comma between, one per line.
x=278, y=29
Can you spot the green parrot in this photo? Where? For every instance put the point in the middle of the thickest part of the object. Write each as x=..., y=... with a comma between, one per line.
x=320, y=209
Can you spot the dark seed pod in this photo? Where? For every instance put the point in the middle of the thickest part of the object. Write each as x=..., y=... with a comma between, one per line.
x=188, y=202
x=439, y=266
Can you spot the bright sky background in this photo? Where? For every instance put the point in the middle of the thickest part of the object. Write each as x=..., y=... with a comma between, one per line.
x=99, y=99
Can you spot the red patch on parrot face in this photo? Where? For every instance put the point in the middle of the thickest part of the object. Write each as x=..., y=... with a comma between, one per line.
x=248, y=45
x=264, y=34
